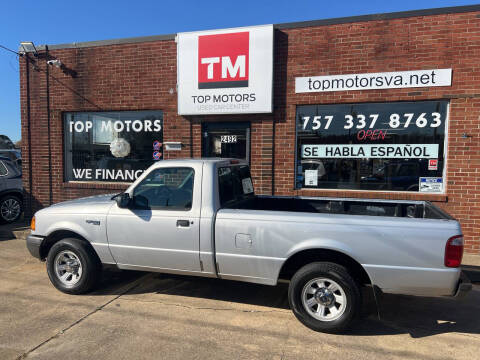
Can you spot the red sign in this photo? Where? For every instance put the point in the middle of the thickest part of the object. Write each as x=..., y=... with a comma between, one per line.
x=432, y=164
x=223, y=60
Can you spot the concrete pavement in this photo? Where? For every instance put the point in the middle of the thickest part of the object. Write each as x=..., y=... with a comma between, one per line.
x=155, y=316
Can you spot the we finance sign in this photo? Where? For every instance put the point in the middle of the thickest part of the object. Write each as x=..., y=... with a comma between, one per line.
x=225, y=71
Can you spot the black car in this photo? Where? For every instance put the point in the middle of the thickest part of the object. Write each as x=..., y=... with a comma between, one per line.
x=11, y=191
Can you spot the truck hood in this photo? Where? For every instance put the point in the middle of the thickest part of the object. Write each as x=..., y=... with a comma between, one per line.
x=98, y=204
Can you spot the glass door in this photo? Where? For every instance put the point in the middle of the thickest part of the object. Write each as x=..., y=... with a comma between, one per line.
x=226, y=140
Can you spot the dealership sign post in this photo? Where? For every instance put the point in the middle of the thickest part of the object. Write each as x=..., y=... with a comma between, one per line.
x=225, y=71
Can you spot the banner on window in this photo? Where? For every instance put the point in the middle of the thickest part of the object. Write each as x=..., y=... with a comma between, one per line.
x=397, y=151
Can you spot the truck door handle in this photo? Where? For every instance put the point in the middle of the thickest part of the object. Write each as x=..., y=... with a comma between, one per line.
x=183, y=223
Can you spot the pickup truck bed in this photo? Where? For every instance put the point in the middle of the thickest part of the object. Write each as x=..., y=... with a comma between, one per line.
x=397, y=208
x=398, y=254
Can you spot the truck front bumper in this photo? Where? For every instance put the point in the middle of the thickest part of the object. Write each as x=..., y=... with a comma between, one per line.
x=33, y=245
x=464, y=286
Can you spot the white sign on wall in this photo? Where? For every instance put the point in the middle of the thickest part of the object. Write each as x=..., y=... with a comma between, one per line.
x=225, y=71
x=430, y=184
x=369, y=81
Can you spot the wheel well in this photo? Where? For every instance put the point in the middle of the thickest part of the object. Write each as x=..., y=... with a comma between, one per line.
x=58, y=235
x=302, y=258
x=18, y=194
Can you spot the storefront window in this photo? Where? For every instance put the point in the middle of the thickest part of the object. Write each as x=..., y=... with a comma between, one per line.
x=372, y=146
x=111, y=146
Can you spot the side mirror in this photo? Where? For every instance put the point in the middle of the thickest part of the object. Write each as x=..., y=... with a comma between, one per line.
x=123, y=200
x=141, y=202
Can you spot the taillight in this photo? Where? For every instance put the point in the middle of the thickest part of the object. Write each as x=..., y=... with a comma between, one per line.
x=454, y=251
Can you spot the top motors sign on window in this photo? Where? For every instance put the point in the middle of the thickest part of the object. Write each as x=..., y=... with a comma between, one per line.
x=225, y=71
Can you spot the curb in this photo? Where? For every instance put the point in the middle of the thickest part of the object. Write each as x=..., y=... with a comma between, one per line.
x=471, y=260
x=21, y=233
x=471, y=267
x=14, y=232
x=472, y=272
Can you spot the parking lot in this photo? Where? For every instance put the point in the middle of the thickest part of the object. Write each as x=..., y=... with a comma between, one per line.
x=143, y=315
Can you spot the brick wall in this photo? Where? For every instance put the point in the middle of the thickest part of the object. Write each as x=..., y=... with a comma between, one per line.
x=429, y=42
x=141, y=76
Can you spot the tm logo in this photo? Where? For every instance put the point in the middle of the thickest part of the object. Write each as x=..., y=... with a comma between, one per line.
x=223, y=60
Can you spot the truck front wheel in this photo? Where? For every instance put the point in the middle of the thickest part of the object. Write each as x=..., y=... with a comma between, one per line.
x=72, y=266
x=324, y=297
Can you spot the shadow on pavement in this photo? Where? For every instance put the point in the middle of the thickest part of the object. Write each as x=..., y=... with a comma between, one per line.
x=10, y=231
x=116, y=282
x=400, y=314
x=424, y=316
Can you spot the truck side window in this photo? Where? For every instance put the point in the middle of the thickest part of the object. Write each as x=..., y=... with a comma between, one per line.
x=234, y=184
x=165, y=189
x=3, y=169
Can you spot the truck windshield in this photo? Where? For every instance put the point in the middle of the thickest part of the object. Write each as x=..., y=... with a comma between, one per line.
x=234, y=184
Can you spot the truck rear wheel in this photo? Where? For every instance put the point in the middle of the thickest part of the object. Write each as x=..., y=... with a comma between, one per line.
x=324, y=297
x=72, y=266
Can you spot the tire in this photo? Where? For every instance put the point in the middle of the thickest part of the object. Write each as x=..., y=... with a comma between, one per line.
x=73, y=267
x=324, y=297
x=10, y=209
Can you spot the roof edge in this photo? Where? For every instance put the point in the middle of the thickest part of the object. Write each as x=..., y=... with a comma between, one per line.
x=381, y=16
x=289, y=25
x=85, y=44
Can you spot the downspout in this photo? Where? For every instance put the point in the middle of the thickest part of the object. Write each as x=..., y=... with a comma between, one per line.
x=47, y=74
x=29, y=134
x=191, y=138
x=273, y=156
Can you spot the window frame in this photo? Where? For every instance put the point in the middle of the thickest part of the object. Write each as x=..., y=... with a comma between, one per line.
x=164, y=208
x=6, y=169
x=66, y=142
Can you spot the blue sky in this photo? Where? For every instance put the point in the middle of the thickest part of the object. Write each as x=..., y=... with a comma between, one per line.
x=54, y=22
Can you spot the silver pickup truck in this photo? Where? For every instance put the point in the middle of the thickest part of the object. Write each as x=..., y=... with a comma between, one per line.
x=201, y=217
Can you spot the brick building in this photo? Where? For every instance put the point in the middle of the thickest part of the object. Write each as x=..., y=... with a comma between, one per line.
x=353, y=99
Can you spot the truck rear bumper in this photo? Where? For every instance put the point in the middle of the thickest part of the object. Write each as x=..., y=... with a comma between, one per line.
x=33, y=245
x=417, y=281
x=464, y=286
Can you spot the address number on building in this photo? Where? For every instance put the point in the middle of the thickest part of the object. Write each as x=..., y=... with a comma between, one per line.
x=228, y=139
x=360, y=121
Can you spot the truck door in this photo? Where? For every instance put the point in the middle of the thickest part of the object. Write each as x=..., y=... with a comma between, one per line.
x=160, y=229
